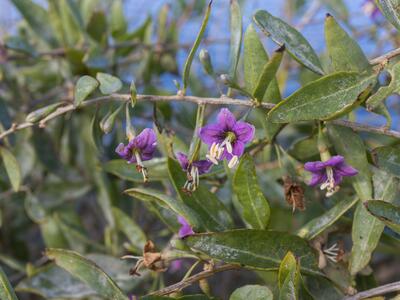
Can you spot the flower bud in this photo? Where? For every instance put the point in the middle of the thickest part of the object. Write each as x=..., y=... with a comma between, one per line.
x=205, y=59
x=133, y=93
x=41, y=113
x=107, y=123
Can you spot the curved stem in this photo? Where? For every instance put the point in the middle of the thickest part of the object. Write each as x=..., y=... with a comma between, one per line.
x=380, y=290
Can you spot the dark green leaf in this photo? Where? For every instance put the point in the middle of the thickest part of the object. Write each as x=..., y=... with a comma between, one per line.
x=236, y=37
x=212, y=214
x=87, y=271
x=284, y=34
x=45, y=150
x=388, y=158
x=12, y=167
x=20, y=44
x=254, y=248
x=324, y=221
x=157, y=169
x=386, y=212
x=323, y=99
x=108, y=84
x=84, y=87
x=253, y=292
x=97, y=27
x=6, y=290
x=255, y=207
x=118, y=21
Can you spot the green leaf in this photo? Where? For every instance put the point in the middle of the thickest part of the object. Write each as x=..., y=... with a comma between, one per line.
x=387, y=158
x=34, y=208
x=390, y=9
x=157, y=169
x=268, y=74
x=289, y=278
x=284, y=34
x=189, y=60
x=83, y=88
x=350, y=145
x=324, y=221
x=118, y=21
x=37, y=17
x=385, y=212
x=20, y=44
x=288, y=264
x=131, y=230
x=41, y=113
x=6, y=290
x=87, y=271
x=344, y=52
x=339, y=7
x=12, y=167
x=367, y=229
x=213, y=215
x=323, y=99
x=253, y=292
x=255, y=207
x=236, y=37
x=52, y=233
x=108, y=84
x=45, y=151
x=254, y=248
x=97, y=27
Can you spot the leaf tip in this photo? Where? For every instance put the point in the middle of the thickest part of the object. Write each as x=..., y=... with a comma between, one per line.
x=281, y=49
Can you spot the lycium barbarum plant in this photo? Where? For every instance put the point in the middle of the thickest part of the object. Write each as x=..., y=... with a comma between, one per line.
x=218, y=162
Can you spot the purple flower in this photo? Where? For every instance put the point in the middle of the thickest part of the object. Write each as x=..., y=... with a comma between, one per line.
x=176, y=265
x=203, y=166
x=370, y=9
x=329, y=174
x=226, y=138
x=139, y=149
x=185, y=229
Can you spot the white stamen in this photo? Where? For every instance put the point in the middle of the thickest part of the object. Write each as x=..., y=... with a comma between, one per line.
x=233, y=162
x=212, y=159
x=330, y=183
x=229, y=147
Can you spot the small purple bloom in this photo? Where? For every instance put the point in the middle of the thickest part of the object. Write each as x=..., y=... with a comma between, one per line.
x=329, y=174
x=185, y=229
x=140, y=148
x=176, y=265
x=203, y=166
x=226, y=138
x=371, y=9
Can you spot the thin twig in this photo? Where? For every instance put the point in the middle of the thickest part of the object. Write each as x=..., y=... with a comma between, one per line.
x=224, y=100
x=192, y=279
x=380, y=290
x=385, y=57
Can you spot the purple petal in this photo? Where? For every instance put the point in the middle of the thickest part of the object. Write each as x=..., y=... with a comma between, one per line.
x=344, y=169
x=337, y=178
x=203, y=166
x=238, y=148
x=317, y=178
x=226, y=119
x=334, y=161
x=212, y=133
x=244, y=132
x=185, y=229
x=146, y=139
x=176, y=265
x=183, y=160
x=314, y=166
x=120, y=150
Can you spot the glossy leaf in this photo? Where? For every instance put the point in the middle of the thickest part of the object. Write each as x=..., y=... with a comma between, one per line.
x=236, y=37
x=6, y=290
x=132, y=231
x=189, y=60
x=84, y=87
x=284, y=34
x=390, y=9
x=344, y=52
x=287, y=266
x=317, y=225
x=385, y=212
x=387, y=158
x=12, y=167
x=367, y=229
x=289, y=278
x=253, y=292
x=255, y=208
x=323, y=99
x=254, y=248
x=212, y=214
x=87, y=271
x=157, y=169
x=108, y=84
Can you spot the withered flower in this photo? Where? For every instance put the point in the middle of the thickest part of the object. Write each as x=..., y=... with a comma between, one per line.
x=294, y=194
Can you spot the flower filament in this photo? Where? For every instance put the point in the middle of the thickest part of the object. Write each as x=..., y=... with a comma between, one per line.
x=217, y=149
x=140, y=167
x=330, y=184
x=193, y=179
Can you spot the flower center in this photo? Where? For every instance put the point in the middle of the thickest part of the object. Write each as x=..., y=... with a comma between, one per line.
x=217, y=149
x=193, y=180
x=329, y=184
x=139, y=165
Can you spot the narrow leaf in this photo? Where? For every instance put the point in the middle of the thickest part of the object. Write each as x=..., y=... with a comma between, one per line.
x=284, y=34
x=390, y=9
x=108, y=84
x=255, y=207
x=385, y=212
x=6, y=290
x=253, y=292
x=387, y=158
x=189, y=60
x=84, y=87
x=323, y=99
x=254, y=248
x=236, y=37
x=12, y=167
x=87, y=271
